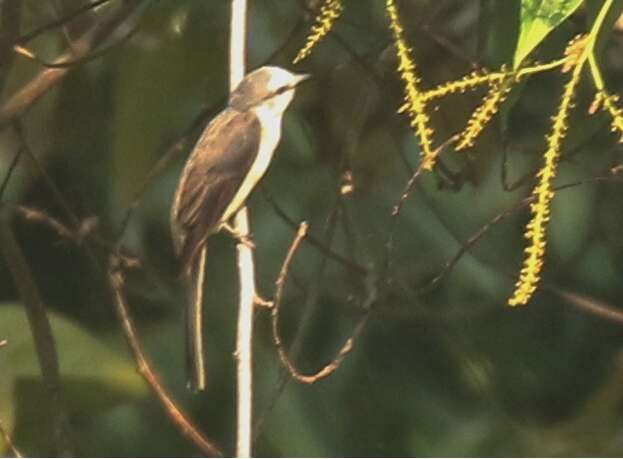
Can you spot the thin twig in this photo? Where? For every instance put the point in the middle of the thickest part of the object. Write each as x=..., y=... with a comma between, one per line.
x=309, y=307
x=82, y=58
x=589, y=305
x=178, y=417
x=85, y=232
x=59, y=22
x=478, y=235
x=38, y=216
x=54, y=189
x=346, y=348
x=9, y=172
x=45, y=345
x=312, y=240
x=9, y=441
x=45, y=80
x=78, y=224
x=408, y=189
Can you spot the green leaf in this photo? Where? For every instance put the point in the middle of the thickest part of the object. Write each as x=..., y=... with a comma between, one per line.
x=538, y=19
x=95, y=378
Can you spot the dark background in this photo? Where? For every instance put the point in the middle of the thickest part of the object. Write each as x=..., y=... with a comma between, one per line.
x=446, y=371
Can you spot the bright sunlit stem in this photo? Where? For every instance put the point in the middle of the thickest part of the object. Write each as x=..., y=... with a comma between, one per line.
x=246, y=268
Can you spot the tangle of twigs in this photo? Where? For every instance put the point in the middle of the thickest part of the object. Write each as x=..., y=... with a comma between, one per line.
x=346, y=348
x=465, y=246
x=31, y=92
x=60, y=22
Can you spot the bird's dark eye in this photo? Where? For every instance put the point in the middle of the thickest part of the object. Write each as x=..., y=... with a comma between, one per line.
x=278, y=92
x=283, y=89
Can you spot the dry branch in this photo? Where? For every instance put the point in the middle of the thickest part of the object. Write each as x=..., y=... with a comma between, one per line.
x=178, y=417
x=346, y=348
x=45, y=80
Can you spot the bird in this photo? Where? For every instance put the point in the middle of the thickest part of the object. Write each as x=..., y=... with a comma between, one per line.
x=226, y=164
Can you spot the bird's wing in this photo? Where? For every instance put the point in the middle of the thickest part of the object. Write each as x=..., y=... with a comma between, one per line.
x=213, y=174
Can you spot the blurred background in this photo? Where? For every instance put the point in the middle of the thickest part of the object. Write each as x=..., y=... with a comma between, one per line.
x=440, y=369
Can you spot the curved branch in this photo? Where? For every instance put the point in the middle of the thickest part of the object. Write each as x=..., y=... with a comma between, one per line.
x=116, y=280
x=346, y=348
x=317, y=243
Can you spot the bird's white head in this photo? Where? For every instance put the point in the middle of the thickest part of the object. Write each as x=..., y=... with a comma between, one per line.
x=270, y=87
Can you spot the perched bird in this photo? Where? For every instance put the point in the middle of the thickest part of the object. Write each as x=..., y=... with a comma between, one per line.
x=226, y=164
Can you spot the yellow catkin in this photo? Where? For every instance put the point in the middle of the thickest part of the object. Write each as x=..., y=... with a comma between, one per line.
x=469, y=82
x=329, y=13
x=483, y=114
x=543, y=194
x=609, y=104
x=415, y=104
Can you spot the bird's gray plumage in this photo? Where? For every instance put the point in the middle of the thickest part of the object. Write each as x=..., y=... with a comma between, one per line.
x=218, y=165
x=226, y=164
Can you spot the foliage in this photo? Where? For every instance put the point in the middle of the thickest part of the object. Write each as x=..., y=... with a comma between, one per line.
x=416, y=231
x=538, y=18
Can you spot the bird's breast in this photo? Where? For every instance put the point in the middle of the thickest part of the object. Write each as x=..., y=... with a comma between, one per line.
x=270, y=133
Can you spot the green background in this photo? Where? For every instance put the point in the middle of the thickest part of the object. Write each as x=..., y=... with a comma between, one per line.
x=449, y=371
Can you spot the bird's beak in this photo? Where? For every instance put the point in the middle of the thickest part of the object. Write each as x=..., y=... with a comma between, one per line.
x=301, y=77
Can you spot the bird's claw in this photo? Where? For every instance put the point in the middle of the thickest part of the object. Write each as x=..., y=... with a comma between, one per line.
x=244, y=239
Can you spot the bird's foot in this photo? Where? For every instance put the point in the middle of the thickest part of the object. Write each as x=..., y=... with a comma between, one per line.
x=261, y=302
x=244, y=239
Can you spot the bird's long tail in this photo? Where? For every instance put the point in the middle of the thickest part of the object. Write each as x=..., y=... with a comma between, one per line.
x=195, y=363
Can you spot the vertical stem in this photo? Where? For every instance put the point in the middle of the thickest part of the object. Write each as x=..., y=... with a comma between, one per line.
x=237, y=42
x=590, y=47
x=246, y=270
x=244, y=357
x=45, y=344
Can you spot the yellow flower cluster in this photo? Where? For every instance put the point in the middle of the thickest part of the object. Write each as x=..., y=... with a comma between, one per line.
x=469, y=82
x=483, y=114
x=543, y=194
x=415, y=104
x=609, y=103
x=330, y=11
